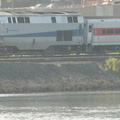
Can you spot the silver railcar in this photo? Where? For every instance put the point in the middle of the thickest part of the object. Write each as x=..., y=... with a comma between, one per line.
x=103, y=35
x=42, y=32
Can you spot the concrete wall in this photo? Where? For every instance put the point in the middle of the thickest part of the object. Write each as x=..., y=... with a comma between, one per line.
x=104, y=10
x=116, y=10
x=100, y=10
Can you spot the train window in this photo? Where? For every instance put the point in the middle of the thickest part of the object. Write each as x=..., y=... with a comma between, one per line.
x=9, y=20
x=59, y=35
x=90, y=28
x=75, y=19
x=69, y=19
x=117, y=31
x=14, y=20
x=20, y=19
x=53, y=19
x=80, y=26
x=110, y=31
x=27, y=20
x=64, y=35
x=68, y=35
x=103, y=32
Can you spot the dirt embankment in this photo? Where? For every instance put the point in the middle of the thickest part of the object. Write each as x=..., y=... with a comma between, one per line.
x=38, y=77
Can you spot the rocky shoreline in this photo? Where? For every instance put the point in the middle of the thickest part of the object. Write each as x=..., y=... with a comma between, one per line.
x=55, y=77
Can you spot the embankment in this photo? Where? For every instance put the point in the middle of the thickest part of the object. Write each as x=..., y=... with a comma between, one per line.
x=49, y=77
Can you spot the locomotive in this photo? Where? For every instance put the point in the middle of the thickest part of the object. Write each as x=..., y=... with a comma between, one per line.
x=57, y=33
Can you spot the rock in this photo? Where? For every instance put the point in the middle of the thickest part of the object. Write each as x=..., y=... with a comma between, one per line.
x=49, y=77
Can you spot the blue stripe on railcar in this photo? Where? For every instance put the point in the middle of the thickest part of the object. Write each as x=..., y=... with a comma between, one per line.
x=46, y=34
x=77, y=32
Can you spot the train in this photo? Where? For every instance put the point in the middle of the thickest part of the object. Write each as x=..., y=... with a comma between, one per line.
x=57, y=33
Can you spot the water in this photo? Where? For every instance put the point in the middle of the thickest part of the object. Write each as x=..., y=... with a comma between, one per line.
x=61, y=106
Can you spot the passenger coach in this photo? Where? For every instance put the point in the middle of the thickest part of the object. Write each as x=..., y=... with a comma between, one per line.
x=103, y=35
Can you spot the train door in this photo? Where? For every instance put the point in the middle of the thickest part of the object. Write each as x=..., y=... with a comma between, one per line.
x=65, y=35
x=90, y=33
x=80, y=33
x=2, y=29
x=89, y=38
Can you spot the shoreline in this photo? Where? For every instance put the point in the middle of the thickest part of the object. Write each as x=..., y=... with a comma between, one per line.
x=59, y=93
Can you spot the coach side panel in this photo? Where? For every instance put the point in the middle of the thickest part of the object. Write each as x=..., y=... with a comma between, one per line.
x=105, y=33
x=35, y=35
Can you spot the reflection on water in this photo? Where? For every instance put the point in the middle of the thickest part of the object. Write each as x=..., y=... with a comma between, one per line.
x=61, y=106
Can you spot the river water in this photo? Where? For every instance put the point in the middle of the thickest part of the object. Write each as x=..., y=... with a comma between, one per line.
x=61, y=106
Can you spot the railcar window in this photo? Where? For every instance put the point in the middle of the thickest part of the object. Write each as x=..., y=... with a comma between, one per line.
x=75, y=19
x=27, y=20
x=80, y=26
x=9, y=20
x=69, y=19
x=64, y=35
x=59, y=35
x=90, y=28
x=103, y=32
x=117, y=31
x=110, y=31
x=14, y=20
x=53, y=19
x=68, y=35
x=20, y=19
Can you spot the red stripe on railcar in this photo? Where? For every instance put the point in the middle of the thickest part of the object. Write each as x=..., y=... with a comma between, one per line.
x=106, y=31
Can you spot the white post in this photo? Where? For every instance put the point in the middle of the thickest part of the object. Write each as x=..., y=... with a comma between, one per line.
x=0, y=3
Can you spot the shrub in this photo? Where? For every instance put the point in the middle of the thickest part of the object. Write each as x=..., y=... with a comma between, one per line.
x=112, y=64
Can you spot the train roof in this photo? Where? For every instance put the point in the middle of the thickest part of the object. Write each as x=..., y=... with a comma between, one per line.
x=13, y=12
x=97, y=19
x=102, y=17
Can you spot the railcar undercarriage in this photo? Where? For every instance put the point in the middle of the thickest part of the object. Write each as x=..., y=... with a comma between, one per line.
x=63, y=49
x=55, y=49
